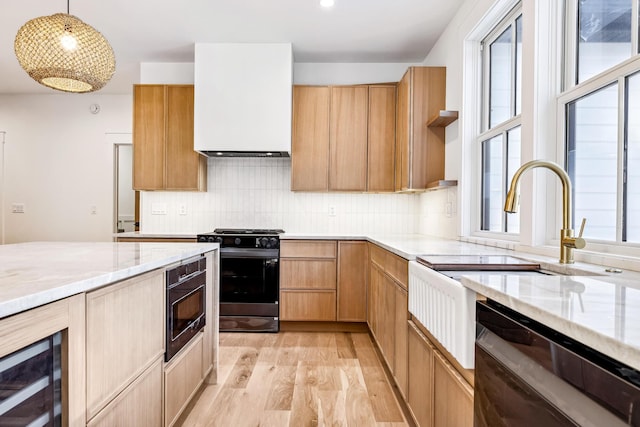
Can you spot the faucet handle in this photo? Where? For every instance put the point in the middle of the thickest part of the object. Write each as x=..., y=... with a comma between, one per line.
x=584, y=221
x=579, y=242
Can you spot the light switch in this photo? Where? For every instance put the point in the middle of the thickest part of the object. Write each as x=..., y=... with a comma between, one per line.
x=17, y=207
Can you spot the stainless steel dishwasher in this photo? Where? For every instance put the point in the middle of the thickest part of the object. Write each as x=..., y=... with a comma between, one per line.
x=527, y=374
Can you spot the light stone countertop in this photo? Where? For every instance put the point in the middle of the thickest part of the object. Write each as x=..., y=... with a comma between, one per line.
x=37, y=273
x=602, y=312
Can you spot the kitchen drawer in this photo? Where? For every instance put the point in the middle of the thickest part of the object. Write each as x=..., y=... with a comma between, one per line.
x=377, y=255
x=308, y=249
x=398, y=268
x=308, y=274
x=308, y=305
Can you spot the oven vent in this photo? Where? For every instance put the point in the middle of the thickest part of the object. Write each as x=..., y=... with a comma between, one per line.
x=446, y=308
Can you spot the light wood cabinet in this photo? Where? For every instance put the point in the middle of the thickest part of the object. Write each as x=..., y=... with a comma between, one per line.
x=420, y=384
x=388, y=310
x=352, y=282
x=182, y=378
x=308, y=280
x=437, y=394
x=310, y=139
x=381, y=138
x=163, y=155
x=453, y=396
x=348, y=138
x=140, y=404
x=127, y=315
x=343, y=138
x=419, y=149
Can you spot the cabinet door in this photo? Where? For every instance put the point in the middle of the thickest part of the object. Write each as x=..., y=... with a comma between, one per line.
x=127, y=315
x=420, y=380
x=310, y=139
x=182, y=377
x=400, y=335
x=453, y=402
x=352, y=281
x=374, y=298
x=348, y=138
x=402, y=132
x=182, y=160
x=387, y=320
x=381, y=138
x=148, y=137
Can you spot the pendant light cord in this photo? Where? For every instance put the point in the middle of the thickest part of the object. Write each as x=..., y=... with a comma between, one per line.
x=68, y=7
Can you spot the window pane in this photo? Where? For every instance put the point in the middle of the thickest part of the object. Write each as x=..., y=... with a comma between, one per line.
x=633, y=160
x=518, y=65
x=513, y=163
x=592, y=124
x=492, y=184
x=500, y=79
x=604, y=35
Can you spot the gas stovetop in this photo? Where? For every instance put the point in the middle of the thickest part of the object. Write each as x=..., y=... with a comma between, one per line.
x=243, y=237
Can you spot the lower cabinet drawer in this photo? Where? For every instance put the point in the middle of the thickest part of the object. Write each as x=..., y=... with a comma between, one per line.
x=183, y=376
x=308, y=305
x=137, y=405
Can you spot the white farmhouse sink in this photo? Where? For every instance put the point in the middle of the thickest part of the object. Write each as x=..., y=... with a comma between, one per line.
x=446, y=308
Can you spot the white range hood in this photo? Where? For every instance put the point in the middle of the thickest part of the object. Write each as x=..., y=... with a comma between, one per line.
x=243, y=99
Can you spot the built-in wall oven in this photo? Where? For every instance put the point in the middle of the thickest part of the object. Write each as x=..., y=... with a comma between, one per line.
x=249, y=278
x=186, y=297
x=527, y=374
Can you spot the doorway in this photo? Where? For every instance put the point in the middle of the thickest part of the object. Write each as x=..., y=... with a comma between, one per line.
x=127, y=201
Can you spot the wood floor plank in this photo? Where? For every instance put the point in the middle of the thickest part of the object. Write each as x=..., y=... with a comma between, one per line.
x=241, y=372
x=281, y=391
x=344, y=344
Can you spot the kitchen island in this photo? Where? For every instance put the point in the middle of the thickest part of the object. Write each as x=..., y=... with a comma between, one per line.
x=108, y=300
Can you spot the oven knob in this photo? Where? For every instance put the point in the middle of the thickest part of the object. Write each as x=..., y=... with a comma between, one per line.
x=217, y=239
x=202, y=239
x=273, y=243
x=264, y=242
x=237, y=241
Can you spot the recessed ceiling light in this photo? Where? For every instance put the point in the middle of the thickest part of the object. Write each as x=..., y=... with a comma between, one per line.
x=326, y=3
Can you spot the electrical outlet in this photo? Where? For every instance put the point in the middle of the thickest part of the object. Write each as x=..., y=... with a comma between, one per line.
x=94, y=209
x=158, y=209
x=182, y=210
x=332, y=211
x=17, y=207
x=448, y=208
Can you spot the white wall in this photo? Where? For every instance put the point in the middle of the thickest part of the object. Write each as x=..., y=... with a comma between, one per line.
x=59, y=163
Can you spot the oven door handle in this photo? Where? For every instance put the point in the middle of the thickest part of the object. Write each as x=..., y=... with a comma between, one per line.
x=249, y=253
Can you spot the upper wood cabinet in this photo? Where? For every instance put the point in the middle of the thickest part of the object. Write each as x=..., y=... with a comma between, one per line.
x=163, y=155
x=381, y=137
x=419, y=149
x=348, y=138
x=343, y=138
x=310, y=139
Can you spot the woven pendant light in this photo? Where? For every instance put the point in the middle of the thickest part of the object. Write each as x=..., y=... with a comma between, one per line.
x=62, y=52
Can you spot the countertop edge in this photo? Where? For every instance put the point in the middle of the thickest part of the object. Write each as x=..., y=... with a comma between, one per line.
x=36, y=299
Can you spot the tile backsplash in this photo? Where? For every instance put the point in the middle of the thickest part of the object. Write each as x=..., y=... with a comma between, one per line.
x=256, y=193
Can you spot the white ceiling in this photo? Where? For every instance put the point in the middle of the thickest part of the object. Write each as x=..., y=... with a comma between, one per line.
x=165, y=31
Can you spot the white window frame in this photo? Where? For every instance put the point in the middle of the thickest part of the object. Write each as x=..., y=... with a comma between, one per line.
x=573, y=92
x=484, y=133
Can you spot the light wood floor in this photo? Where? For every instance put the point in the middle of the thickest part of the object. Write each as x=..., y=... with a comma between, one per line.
x=297, y=379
